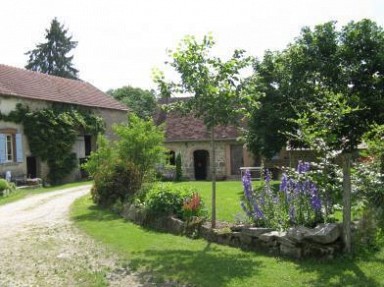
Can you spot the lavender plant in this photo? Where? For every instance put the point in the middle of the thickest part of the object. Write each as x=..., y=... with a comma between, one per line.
x=299, y=200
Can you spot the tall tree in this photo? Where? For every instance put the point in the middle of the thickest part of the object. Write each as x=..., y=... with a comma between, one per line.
x=328, y=83
x=52, y=57
x=141, y=102
x=216, y=87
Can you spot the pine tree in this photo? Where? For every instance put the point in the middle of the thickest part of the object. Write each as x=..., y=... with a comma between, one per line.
x=51, y=57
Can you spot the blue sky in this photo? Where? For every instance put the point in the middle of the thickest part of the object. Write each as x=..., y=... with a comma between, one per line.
x=121, y=41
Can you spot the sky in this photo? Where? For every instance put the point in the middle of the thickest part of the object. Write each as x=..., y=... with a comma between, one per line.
x=121, y=41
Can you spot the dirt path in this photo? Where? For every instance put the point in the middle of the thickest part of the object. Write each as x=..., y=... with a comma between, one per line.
x=39, y=246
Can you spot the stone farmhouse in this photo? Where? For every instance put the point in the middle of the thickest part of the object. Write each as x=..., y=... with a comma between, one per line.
x=39, y=91
x=189, y=137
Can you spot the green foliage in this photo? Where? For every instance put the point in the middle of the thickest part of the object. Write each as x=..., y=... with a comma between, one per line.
x=374, y=140
x=164, y=199
x=115, y=182
x=101, y=157
x=140, y=142
x=6, y=187
x=141, y=102
x=3, y=184
x=51, y=57
x=323, y=63
x=52, y=132
x=216, y=85
x=179, y=171
x=119, y=169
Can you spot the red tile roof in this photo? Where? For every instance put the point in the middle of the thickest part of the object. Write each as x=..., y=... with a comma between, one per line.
x=33, y=85
x=188, y=128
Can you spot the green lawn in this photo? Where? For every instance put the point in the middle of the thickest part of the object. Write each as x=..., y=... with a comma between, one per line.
x=22, y=193
x=228, y=196
x=178, y=258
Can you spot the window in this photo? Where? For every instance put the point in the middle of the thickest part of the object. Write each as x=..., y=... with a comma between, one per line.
x=172, y=158
x=11, y=148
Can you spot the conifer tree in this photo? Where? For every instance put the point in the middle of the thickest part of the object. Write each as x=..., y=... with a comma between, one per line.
x=51, y=57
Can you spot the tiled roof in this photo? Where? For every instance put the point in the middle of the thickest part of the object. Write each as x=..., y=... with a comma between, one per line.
x=188, y=128
x=33, y=85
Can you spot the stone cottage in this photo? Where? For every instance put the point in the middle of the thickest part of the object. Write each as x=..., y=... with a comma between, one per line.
x=37, y=91
x=189, y=137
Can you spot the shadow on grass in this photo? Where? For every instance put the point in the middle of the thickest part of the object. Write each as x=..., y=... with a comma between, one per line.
x=96, y=213
x=210, y=267
x=345, y=271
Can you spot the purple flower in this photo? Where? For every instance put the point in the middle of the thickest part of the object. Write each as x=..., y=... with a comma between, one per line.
x=303, y=167
x=283, y=183
x=315, y=199
x=267, y=176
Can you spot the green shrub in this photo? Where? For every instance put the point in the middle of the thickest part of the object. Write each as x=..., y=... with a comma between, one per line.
x=6, y=187
x=165, y=199
x=3, y=184
x=179, y=172
x=115, y=182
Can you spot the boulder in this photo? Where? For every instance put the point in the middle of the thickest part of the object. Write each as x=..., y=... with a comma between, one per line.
x=298, y=233
x=255, y=231
x=324, y=233
x=271, y=236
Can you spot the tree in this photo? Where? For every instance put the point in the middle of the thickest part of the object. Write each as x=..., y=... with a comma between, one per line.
x=141, y=102
x=216, y=87
x=327, y=85
x=141, y=143
x=51, y=57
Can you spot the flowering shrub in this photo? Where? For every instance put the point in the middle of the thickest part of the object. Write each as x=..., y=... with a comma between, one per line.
x=298, y=201
x=192, y=206
x=165, y=199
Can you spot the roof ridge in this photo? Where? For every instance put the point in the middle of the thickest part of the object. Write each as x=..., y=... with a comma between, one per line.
x=40, y=74
x=18, y=82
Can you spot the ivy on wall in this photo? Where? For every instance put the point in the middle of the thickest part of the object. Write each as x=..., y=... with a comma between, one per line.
x=52, y=132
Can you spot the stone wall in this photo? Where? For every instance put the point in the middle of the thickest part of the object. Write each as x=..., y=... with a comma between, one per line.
x=324, y=241
x=223, y=157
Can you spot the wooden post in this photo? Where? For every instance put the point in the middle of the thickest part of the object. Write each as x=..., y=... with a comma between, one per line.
x=347, y=202
x=213, y=173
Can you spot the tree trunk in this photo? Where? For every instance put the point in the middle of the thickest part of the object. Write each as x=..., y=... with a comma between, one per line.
x=213, y=174
x=347, y=202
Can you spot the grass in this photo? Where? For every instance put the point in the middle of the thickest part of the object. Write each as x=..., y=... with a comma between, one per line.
x=176, y=258
x=228, y=195
x=22, y=193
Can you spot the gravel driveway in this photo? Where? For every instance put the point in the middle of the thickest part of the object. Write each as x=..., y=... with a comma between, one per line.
x=39, y=246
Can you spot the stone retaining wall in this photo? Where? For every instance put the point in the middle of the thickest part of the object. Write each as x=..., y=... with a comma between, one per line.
x=323, y=241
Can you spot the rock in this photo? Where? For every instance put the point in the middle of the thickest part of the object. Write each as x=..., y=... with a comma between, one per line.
x=270, y=236
x=324, y=233
x=290, y=251
x=245, y=238
x=256, y=231
x=175, y=225
x=134, y=214
x=298, y=233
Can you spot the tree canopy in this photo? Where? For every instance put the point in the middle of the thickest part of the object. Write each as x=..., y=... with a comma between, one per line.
x=327, y=87
x=347, y=62
x=52, y=56
x=141, y=102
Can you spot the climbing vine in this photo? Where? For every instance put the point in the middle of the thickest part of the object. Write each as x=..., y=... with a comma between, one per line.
x=52, y=132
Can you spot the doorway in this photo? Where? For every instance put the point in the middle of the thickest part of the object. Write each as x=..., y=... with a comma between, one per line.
x=31, y=167
x=237, y=160
x=201, y=161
